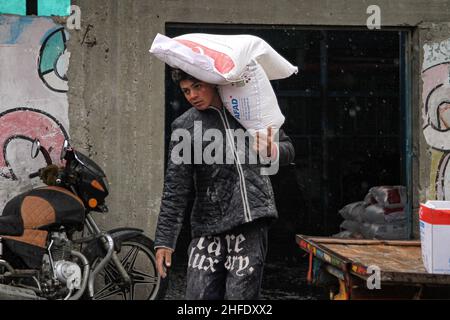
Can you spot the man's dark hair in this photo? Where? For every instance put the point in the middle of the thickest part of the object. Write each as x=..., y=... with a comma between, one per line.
x=179, y=75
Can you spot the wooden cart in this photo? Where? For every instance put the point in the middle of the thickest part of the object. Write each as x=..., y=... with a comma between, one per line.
x=371, y=269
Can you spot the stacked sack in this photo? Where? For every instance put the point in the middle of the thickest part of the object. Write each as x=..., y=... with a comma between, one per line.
x=242, y=67
x=380, y=216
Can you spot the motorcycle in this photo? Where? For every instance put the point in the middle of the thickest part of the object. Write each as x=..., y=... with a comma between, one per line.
x=51, y=248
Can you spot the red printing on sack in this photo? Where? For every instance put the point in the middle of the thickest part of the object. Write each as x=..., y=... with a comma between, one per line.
x=393, y=196
x=222, y=62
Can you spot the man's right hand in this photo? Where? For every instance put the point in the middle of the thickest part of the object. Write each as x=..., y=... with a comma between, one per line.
x=163, y=260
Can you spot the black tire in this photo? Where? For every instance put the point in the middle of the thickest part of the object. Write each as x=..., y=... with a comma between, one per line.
x=107, y=285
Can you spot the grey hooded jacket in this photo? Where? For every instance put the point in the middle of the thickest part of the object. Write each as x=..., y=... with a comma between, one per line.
x=227, y=194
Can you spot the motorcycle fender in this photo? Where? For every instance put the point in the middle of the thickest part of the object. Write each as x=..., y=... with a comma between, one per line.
x=95, y=249
x=122, y=234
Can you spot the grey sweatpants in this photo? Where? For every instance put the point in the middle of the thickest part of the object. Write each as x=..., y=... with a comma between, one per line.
x=228, y=265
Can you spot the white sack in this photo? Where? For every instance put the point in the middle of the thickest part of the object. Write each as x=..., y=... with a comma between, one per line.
x=348, y=235
x=353, y=211
x=390, y=231
x=387, y=196
x=343, y=234
x=220, y=59
x=252, y=101
x=377, y=214
x=352, y=226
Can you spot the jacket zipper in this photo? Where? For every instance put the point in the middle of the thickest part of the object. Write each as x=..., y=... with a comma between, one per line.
x=243, y=188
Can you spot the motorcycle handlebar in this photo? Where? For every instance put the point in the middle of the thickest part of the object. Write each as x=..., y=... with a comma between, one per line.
x=34, y=175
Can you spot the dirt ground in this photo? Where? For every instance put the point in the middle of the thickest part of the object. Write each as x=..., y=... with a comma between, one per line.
x=282, y=280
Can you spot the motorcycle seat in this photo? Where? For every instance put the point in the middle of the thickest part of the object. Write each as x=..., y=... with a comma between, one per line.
x=11, y=226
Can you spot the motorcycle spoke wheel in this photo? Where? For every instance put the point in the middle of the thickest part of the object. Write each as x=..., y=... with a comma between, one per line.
x=140, y=263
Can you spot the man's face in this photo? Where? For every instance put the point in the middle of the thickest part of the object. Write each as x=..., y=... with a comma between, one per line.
x=200, y=94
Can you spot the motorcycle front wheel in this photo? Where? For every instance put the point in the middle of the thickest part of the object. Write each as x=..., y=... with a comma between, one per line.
x=138, y=258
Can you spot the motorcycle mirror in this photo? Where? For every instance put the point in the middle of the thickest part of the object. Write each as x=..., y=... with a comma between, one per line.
x=35, y=148
x=64, y=149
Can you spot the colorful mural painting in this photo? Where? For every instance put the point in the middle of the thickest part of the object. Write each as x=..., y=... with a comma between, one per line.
x=33, y=100
x=436, y=115
x=33, y=123
x=54, y=61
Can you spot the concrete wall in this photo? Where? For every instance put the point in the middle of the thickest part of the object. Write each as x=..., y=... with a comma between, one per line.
x=117, y=89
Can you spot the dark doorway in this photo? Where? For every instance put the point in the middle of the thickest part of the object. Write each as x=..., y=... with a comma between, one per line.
x=343, y=112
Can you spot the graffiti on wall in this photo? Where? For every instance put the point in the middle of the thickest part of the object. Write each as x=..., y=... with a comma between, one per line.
x=26, y=123
x=33, y=102
x=436, y=115
x=54, y=61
